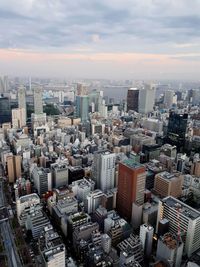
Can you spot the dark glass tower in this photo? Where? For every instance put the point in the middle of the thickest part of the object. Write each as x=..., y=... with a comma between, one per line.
x=5, y=110
x=176, y=130
x=132, y=99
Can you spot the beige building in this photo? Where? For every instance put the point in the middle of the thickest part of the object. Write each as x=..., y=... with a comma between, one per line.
x=18, y=117
x=168, y=184
x=10, y=168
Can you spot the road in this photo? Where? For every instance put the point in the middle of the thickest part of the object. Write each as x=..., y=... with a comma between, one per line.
x=7, y=236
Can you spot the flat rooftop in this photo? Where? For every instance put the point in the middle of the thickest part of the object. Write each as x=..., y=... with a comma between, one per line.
x=184, y=208
x=131, y=164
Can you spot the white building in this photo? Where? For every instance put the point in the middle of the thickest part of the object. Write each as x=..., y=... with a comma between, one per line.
x=104, y=170
x=146, y=99
x=184, y=217
x=146, y=238
x=94, y=199
x=168, y=98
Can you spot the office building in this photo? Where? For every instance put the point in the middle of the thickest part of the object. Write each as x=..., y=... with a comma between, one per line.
x=93, y=200
x=18, y=118
x=146, y=99
x=22, y=99
x=5, y=110
x=130, y=249
x=42, y=180
x=82, y=188
x=51, y=248
x=81, y=89
x=104, y=170
x=168, y=184
x=168, y=98
x=36, y=220
x=13, y=167
x=38, y=105
x=82, y=107
x=106, y=243
x=59, y=175
x=183, y=220
x=146, y=238
x=170, y=249
x=131, y=186
x=25, y=203
x=132, y=99
x=84, y=232
x=176, y=130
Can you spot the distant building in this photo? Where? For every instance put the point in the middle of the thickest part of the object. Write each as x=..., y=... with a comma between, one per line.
x=132, y=99
x=146, y=99
x=22, y=99
x=82, y=107
x=38, y=105
x=59, y=175
x=5, y=110
x=18, y=118
x=168, y=98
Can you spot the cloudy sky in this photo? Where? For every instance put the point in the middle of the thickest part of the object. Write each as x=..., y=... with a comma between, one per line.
x=150, y=39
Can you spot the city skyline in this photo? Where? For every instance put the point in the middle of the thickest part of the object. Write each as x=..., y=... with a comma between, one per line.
x=91, y=39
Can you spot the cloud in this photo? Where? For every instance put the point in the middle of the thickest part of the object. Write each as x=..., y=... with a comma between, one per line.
x=118, y=25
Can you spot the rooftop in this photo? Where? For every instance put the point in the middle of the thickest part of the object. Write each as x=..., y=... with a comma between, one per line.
x=183, y=208
x=131, y=164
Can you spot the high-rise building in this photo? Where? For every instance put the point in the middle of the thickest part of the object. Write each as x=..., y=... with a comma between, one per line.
x=131, y=186
x=146, y=99
x=82, y=107
x=42, y=180
x=59, y=175
x=22, y=98
x=146, y=238
x=4, y=84
x=18, y=118
x=81, y=89
x=170, y=250
x=13, y=167
x=168, y=98
x=38, y=105
x=10, y=169
x=168, y=184
x=176, y=130
x=184, y=221
x=5, y=110
x=132, y=99
x=104, y=170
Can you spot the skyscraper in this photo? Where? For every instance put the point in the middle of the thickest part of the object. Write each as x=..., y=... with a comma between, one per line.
x=5, y=110
x=38, y=105
x=3, y=84
x=176, y=130
x=82, y=107
x=132, y=99
x=168, y=98
x=183, y=220
x=146, y=99
x=18, y=117
x=104, y=170
x=22, y=98
x=146, y=238
x=131, y=186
